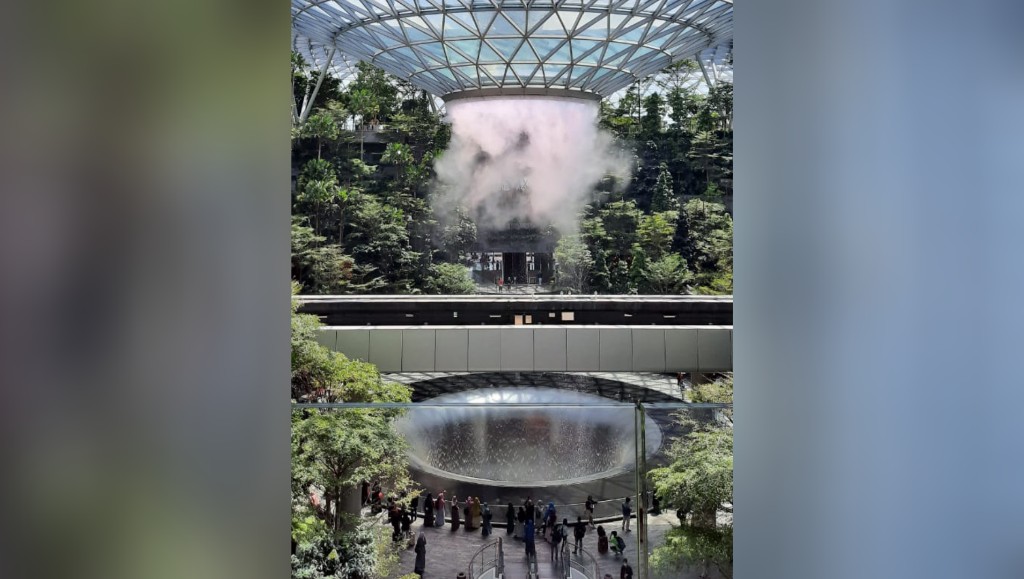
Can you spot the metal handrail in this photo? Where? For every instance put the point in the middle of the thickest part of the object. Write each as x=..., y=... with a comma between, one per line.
x=492, y=556
x=583, y=562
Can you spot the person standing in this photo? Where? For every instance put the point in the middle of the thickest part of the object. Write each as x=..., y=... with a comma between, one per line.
x=521, y=516
x=531, y=546
x=550, y=517
x=428, y=511
x=602, y=540
x=415, y=506
x=468, y=511
x=406, y=525
x=556, y=540
x=455, y=513
x=486, y=519
x=439, y=507
x=528, y=506
x=627, y=511
x=626, y=572
x=578, y=533
x=477, y=513
x=591, y=503
x=421, y=555
x=510, y=519
x=395, y=518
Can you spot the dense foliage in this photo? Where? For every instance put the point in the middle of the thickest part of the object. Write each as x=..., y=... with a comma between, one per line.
x=333, y=451
x=697, y=484
x=363, y=221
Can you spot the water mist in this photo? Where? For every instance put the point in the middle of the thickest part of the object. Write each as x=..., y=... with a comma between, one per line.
x=528, y=159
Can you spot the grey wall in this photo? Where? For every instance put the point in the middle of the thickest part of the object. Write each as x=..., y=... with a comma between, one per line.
x=547, y=348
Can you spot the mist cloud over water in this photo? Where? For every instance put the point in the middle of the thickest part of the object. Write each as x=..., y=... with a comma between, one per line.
x=535, y=159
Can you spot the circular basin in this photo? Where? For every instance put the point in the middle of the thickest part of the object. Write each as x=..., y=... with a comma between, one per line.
x=524, y=437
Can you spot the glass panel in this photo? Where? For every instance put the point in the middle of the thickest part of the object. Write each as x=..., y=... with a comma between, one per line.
x=551, y=27
x=487, y=54
x=502, y=27
x=506, y=47
x=517, y=17
x=544, y=46
x=453, y=29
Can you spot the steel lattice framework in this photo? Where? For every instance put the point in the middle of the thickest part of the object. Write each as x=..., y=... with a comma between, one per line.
x=474, y=46
x=316, y=55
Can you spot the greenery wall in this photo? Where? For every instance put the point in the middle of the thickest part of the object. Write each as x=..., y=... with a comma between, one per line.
x=362, y=219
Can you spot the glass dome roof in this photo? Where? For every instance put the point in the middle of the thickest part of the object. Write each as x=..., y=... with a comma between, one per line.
x=453, y=46
x=315, y=55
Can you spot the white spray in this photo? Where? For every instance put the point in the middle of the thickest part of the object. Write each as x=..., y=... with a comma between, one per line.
x=534, y=159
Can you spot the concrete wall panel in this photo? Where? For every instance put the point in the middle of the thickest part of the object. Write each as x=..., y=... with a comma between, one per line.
x=386, y=350
x=484, y=349
x=583, y=349
x=418, y=350
x=451, y=350
x=681, y=350
x=714, y=349
x=648, y=350
x=517, y=350
x=549, y=350
x=354, y=343
x=616, y=350
x=328, y=339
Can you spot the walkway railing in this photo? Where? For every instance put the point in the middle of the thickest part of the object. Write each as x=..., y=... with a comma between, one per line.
x=584, y=565
x=490, y=556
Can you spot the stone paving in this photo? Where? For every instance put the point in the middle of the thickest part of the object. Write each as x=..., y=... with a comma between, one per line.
x=449, y=552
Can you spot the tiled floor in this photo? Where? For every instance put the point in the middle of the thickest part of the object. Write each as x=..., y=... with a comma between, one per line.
x=449, y=553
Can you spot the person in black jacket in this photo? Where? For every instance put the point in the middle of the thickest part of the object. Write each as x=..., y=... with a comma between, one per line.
x=510, y=519
x=578, y=533
x=626, y=572
x=421, y=555
x=428, y=511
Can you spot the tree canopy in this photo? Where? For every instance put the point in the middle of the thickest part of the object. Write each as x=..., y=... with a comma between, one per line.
x=368, y=199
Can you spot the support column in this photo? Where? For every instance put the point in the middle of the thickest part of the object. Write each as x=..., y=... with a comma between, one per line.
x=640, y=436
x=307, y=106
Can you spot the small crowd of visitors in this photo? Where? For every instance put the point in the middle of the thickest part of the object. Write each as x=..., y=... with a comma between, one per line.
x=523, y=523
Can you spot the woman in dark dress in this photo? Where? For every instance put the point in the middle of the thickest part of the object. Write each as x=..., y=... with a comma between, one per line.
x=485, y=519
x=428, y=511
x=455, y=513
x=602, y=540
x=468, y=512
x=521, y=516
x=421, y=555
x=510, y=519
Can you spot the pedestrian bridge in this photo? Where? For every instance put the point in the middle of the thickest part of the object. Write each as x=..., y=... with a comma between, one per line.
x=547, y=348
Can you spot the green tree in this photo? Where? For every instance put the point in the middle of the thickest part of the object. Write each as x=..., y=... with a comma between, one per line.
x=638, y=269
x=699, y=481
x=450, y=278
x=667, y=276
x=709, y=245
x=323, y=269
x=657, y=232
x=664, y=198
x=654, y=110
x=318, y=187
x=320, y=126
x=378, y=236
x=573, y=263
x=333, y=450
